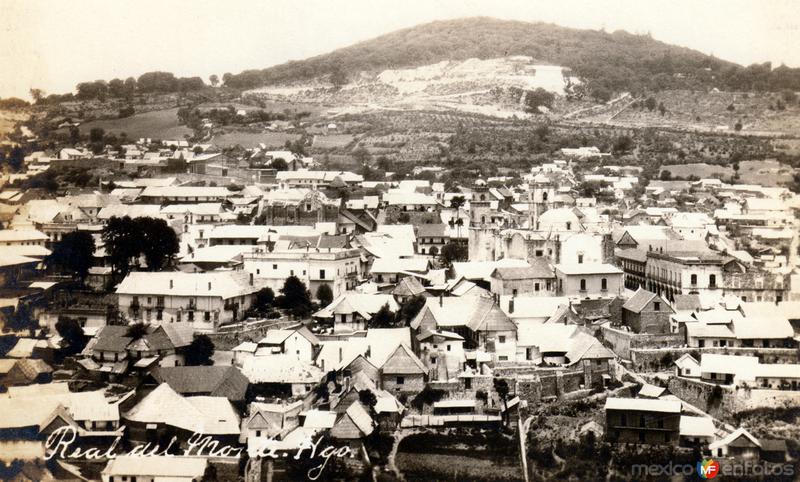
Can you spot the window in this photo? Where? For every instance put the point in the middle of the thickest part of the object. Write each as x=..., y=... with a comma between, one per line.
x=657, y=305
x=207, y=316
x=503, y=358
x=641, y=420
x=322, y=274
x=583, y=285
x=660, y=424
x=535, y=287
x=539, y=253
x=274, y=266
x=623, y=419
x=693, y=279
x=258, y=433
x=190, y=316
x=580, y=257
x=603, y=284
x=467, y=383
x=712, y=280
x=159, y=314
x=401, y=380
x=449, y=347
x=513, y=292
x=641, y=437
x=501, y=339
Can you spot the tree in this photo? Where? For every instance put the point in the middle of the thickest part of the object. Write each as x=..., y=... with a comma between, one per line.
x=361, y=155
x=384, y=318
x=37, y=94
x=662, y=109
x=650, y=103
x=501, y=387
x=453, y=252
x=279, y=164
x=263, y=299
x=214, y=80
x=623, y=144
x=73, y=254
x=368, y=399
x=159, y=243
x=457, y=202
x=96, y=134
x=324, y=294
x=71, y=332
x=410, y=308
x=137, y=331
x=295, y=297
x=200, y=351
x=738, y=126
x=121, y=243
x=338, y=77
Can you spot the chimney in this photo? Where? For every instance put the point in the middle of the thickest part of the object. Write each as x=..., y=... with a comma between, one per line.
x=251, y=279
x=170, y=284
x=511, y=305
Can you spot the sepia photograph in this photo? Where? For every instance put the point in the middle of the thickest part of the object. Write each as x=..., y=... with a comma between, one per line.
x=377, y=241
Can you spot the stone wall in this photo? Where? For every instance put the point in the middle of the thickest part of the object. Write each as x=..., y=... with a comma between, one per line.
x=247, y=332
x=733, y=400
x=648, y=359
x=622, y=342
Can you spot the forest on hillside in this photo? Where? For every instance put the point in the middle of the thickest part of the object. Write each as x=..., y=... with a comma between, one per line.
x=607, y=62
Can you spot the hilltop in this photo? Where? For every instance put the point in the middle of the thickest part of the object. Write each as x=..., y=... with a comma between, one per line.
x=607, y=62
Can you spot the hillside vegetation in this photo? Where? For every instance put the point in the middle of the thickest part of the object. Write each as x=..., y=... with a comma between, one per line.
x=608, y=62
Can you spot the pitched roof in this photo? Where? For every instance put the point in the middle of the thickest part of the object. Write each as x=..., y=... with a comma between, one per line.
x=409, y=286
x=696, y=426
x=217, y=381
x=739, y=432
x=538, y=270
x=403, y=361
x=639, y=300
x=205, y=415
x=226, y=284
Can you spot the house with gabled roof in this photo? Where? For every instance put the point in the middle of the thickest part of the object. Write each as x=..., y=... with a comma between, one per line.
x=647, y=312
x=403, y=372
x=479, y=320
x=535, y=280
x=212, y=381
x=296, y=342
x=353, y=425
x=164, y=411
x=352, y=311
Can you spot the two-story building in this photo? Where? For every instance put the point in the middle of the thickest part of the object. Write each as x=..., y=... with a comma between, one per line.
x=585, y=280
x=207, y=300
x=643, y=421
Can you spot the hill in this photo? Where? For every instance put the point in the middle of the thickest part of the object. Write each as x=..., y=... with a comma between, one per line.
x=607, y=62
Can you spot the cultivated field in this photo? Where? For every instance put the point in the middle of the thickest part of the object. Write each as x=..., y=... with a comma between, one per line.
x=253, y=139
x=766, y=173
x=159, y=124
x=332, y=141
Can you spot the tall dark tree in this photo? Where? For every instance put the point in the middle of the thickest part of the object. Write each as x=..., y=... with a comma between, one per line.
x=368, y=399
x=502, y=389
x=73, y=254
x=200, y=351
x=137, y=331
x=122, y=243
x=410, y=308
x=71, y=332
x=126, y=239
x=295, y=297
x=159, y=242
x=324, y=294
x=453, y=252
x=384, y=318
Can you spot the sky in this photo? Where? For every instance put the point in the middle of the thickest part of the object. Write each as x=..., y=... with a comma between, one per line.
x=54, y=44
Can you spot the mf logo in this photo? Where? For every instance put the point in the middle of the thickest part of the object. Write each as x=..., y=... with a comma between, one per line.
x=708, y=468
